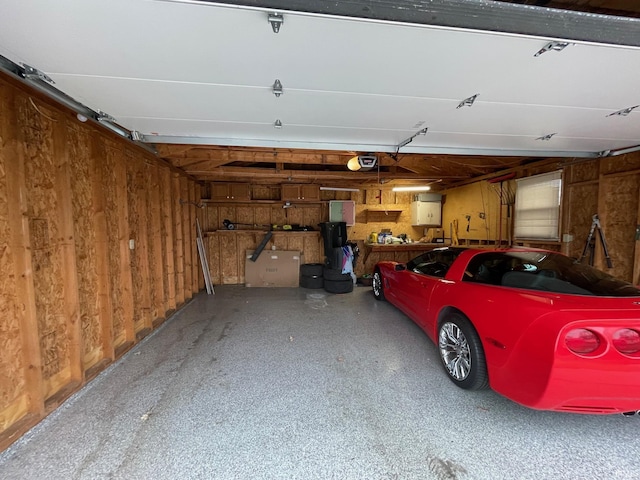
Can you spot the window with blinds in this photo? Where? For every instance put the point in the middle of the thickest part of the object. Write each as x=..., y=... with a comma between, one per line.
x=537, y=208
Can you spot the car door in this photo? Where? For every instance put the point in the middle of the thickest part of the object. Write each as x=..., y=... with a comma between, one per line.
x=421, y=277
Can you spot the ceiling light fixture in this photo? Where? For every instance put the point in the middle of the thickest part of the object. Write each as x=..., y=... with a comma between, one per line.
x=276, y=20
x=417, y=188
x=624, y=112
x=467, y=102
x=277, y=124
x=277, y=88
x=555, y=46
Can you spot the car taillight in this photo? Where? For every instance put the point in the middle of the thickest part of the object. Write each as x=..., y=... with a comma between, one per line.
x=582, y=341
x=627, y=341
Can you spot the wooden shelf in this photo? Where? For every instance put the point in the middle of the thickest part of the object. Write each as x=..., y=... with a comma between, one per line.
x=383, y=215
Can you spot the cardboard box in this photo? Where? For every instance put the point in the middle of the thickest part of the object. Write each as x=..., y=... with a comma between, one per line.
x=273, y=268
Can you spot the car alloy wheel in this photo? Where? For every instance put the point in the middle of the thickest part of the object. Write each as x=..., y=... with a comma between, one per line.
x=376, y=283
x=454, y=351
x=461, y=353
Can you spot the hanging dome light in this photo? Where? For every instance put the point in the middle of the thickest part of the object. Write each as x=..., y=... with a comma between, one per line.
x=353, y=164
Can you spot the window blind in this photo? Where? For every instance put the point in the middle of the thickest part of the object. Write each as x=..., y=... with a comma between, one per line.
x=537, y=207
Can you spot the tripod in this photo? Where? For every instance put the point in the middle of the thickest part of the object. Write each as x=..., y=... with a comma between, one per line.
x=590, y=244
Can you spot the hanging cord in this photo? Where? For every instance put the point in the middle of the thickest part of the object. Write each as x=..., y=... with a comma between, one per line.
x=40, y=112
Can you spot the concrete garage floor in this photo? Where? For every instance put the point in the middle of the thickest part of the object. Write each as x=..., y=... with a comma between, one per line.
x=301, y=384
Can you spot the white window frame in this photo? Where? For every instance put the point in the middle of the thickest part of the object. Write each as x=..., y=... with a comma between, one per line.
x=537, y=207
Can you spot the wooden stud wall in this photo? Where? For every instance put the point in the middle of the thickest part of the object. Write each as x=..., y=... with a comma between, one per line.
x=75, y=292
x=609, y=187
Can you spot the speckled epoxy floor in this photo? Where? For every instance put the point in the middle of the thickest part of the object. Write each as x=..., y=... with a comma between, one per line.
x=301, y=384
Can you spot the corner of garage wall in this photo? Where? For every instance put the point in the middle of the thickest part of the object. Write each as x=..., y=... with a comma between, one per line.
x=97, y=248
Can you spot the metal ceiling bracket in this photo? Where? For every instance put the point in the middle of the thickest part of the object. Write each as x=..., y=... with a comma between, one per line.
x=624, y=112
x=467, y=102
x=555, y=46
x=136, y=136
x=277, y=88
x=410, y=139
x=276, y=20
x=277, y=124
x=31, y=73
x=546, y=138
x=104, y=117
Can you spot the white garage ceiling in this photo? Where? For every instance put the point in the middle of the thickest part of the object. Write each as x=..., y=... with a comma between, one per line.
x=203, y=73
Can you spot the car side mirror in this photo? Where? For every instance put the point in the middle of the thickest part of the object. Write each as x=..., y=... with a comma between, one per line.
x=400, y=266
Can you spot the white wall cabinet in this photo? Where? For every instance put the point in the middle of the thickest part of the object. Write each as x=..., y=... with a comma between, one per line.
x=426, y=213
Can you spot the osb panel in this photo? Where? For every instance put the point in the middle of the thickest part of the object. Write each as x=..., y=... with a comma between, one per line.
x=312, y=216
x=134, y=180
x=312, y=249
x=372, y=196
x=229, y=258
x=580, y=206
x=278, y=216
x=265, y=192
x=225, y=212
x=47, y=255
x=244, y=214
x=212, y=245
x=619, y=222
x=154, y=254
x=80, y=164
x=294, y=216
x=12, y=380
x=262, y=215
x=212, y=220
x=582, y=172
x=244, y=242
x=165, y=221
x=295, y=242
x=622, y=163
x=475, y=201
x=109, y=185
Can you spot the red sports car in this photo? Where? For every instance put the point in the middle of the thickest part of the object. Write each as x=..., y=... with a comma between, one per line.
x=536, y=326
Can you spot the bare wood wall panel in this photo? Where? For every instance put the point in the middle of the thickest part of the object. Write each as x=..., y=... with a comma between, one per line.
x=103, y=300
x=178, y=238
x=155, y=238
x=186, y=235
x=79, y=145
x=619, y=219
x=72, y=195
x=168, y=242
x=47, y=244
x=581, y=202
x=21, y=397
x=137, y=207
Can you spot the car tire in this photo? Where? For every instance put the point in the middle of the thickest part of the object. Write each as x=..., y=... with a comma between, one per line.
x=311, y=281
x=311, y=269
x=461, y=353
x=336, y=275
x=338, y=286
x=378, y=285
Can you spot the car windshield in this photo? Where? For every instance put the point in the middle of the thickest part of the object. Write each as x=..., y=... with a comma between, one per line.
x=546, y=271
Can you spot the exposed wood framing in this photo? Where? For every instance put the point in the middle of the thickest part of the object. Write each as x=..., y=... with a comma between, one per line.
x=71, y=198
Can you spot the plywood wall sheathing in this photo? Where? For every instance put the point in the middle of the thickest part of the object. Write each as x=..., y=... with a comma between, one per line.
x=185, y=211
x=21, y=395
x=168, y=240
x=178, y=245
x=155, y=239
x=72, y=196
x=137, y=192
